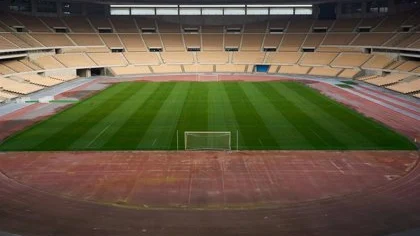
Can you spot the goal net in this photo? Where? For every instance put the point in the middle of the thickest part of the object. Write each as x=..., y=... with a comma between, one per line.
x=202, y=140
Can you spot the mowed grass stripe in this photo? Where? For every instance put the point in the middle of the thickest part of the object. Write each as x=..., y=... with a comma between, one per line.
x=313, y=132
x=132, y=131
x=315, y=107
x=161, y=131
x=282, y=129
x=377, y=133
x=194, y=115
x=101, y=132
x=255, y=134
x=57, y=132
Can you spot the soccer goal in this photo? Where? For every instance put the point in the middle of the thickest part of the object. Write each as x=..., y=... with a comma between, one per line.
x=208, y=140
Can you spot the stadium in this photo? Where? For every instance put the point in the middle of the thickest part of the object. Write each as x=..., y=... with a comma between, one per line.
x=233, y=117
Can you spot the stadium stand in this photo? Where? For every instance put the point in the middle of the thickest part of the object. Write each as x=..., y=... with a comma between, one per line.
x=124, y=24
x=4, y=70
x=6, y=44
x=233, y=40
x=339, y=38
x=325, y=71
x=252, y=42
x=177, y=57
x=86, y=39
x=272, y=41
x=16, y=66
x=212, y=57
x=78, y=24
x=410, y=86
x=18, y=87
x=371, y=39
x=130, y=70
x=212, y=42
x=39, y=80
x=349, y=73
x=388, y=79
x=48, y=62
x=53, y=40
x=111, y=40
x=294, y=69
x=192, y=40
x=378, y=61
x=198, y=68
x=169, y=49
x=79, y=60
x=350, y=60
x=105, y=59
x=152, y=40
x=167, y=69
x=229, y=68
x=317, y=59
x=248, y=57
x=283, y=58
x=33, y=24
x=408, y=66
x=11, y=37
x=133, y=42
x=142, y=58
x=313, y=40
x=292, y=42
x=173, y=42
x=344, y=25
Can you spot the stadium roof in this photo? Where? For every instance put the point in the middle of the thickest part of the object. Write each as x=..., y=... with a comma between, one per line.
x=212, y=2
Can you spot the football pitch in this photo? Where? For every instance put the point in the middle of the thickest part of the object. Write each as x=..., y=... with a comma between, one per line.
x=259, y=115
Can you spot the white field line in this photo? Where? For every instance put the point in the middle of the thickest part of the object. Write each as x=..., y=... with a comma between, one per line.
x=97, y=136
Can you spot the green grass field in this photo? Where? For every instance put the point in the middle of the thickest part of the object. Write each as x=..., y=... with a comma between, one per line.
x=267, y=115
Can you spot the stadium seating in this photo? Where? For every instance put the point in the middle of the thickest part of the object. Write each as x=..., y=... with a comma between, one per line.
x=131, y=70
x=325, y=71
x=283, y=58
x=213, y=57
x=133, y=42
x=142, y=58
x=349, y=73
x=198, y=68
x=229, y=68
x=350, y=60
x=387, y=80
x=80, y=60
x=18, y=87
x=337, y=51
x=177, y=57
x=407, y=87
x=317, y=59
x=167, y=69
x=248, y=57
x=106, y=59
x=294, y=69
x=40, y=80
x=212, y=42
x=377, y=62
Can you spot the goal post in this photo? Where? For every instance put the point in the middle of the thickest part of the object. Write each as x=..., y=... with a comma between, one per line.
x=208, y=140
